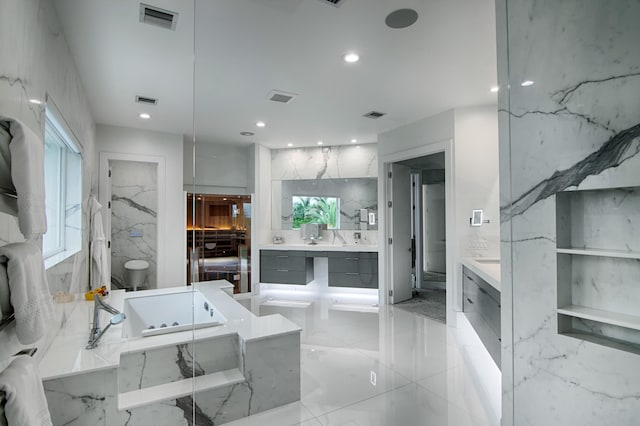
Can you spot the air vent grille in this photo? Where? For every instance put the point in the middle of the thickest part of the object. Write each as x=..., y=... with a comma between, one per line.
x=146, y=100
x=280, y=96
x=374, y=114
x=335, y=3
x=159, y=17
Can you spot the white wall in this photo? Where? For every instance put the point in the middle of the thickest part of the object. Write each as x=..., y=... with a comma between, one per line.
x=220, y=168
x=477, y=183
x=261, y=210
x=135, y=142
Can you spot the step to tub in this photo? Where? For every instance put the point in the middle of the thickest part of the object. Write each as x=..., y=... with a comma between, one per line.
x=168, y=391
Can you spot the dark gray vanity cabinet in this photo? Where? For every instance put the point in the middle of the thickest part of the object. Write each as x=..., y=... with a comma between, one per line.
x=481, y=305
x=285, y=267
x=353, y=269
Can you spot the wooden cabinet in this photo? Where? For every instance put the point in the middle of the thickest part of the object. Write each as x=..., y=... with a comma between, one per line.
x=481, y=305
x=285, y=267
x=353, y=269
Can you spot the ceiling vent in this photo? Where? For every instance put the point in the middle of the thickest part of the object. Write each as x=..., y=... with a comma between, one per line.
x=159, y=17
x=146, y=100
x=280, y=96
x=374, y=114
x=335, y=3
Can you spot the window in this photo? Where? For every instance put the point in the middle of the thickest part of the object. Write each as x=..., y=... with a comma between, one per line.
x=316, y=210
x=63, y=190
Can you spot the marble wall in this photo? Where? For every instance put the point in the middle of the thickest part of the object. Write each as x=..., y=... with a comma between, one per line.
x=577, y=127
x=37, y=64
x=332, y=162
x=134, y=218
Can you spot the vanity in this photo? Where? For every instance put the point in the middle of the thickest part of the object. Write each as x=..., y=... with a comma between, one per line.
x=348, y=266
x=481, y=301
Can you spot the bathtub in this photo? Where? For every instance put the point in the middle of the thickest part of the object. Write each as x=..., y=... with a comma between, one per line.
x=151, y=314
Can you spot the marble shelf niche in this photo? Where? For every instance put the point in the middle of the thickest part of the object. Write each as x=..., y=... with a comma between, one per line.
x=598, y=260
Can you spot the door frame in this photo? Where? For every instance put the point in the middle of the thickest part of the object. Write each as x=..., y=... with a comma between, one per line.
x=104, y=195
x=454, y=288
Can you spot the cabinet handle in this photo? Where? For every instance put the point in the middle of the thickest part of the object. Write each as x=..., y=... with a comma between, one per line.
x=482, y=290
x=282, y=270
x=352, y=273
x=352, y=258
x=282, y=257
x=469, y=300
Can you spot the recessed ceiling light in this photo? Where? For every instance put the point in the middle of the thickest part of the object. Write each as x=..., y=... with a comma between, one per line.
x=247, y=133
x=354, y=140
x=289, y=144
x=351, y=57
x=35, y=101
x=526, y=83
x=261, y=124
x=145, y=116
x=494, y=89
x=319, y=142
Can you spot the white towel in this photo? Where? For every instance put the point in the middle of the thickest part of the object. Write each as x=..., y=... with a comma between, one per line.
x=27, y=176
x=30, y=296
x=26, y=404
x=100, y=268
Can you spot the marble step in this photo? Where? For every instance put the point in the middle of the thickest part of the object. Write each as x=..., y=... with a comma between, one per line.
x=168, y=391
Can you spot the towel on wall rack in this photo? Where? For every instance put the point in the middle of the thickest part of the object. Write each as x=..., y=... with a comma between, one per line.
x=23, y=156
x=26, y=403
x=98, y=247
x=30, y=298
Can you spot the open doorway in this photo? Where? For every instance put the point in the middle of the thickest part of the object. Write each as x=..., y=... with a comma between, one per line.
x=420, y=240
x=419, y=200
x=220, y=232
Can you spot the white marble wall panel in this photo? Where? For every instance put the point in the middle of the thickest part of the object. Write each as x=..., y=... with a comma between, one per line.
x=577, y=126
x=331, y=162
x=134, y=217
x=37, y=64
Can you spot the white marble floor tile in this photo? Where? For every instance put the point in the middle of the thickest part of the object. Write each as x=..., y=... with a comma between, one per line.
x=410, y=405
x=464, y=387
x=310, y=422
x=287, y=415
x=334, y=378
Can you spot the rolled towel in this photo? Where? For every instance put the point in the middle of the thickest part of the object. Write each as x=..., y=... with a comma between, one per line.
x=30, y=298
x=26, y=404
x=25, y=159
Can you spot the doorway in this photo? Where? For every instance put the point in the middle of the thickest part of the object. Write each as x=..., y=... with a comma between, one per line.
x=219, y=239
x=418, y=254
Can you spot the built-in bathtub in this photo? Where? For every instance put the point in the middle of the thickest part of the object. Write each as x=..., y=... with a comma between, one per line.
x=153, y=314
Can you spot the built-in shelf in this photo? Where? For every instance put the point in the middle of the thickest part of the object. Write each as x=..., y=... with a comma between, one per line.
x=599, y=315
x=599, y=252
x=598, y=288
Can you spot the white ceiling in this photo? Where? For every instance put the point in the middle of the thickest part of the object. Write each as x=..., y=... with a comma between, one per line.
x=246, y=48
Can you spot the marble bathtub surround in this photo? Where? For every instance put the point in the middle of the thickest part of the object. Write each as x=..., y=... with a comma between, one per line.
x=134, y=217
x=231, y=369
x=576, y=129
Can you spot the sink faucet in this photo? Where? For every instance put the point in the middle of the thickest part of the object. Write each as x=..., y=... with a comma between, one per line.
x=96, y=334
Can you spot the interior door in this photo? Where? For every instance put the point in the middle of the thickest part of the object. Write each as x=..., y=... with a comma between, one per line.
x=400, y=233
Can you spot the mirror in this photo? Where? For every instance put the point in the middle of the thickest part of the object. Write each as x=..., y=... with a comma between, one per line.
x=342, y=204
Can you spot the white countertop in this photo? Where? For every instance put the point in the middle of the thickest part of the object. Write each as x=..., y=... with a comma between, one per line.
x=67, y=355
x=320, y=246
x=486, y=267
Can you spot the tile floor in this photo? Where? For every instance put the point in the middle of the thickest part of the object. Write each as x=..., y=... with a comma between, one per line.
x=367, y=366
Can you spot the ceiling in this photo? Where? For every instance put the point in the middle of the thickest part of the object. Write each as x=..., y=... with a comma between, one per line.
x=245, y=48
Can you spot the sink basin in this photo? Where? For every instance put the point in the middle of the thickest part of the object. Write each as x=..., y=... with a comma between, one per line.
x=488, y=261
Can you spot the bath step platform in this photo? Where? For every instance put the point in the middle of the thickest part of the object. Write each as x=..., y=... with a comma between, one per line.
x=168, y=391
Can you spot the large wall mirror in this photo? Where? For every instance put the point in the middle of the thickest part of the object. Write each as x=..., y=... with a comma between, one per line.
x=342, y=204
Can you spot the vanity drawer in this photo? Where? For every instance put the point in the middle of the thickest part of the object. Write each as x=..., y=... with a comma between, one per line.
x=353, y=264
x=275, y=263
x=353, y=279
x=285, y=277
x=477, y=299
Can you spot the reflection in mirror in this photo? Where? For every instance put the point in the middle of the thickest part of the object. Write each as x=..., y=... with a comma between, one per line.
x=343, y=204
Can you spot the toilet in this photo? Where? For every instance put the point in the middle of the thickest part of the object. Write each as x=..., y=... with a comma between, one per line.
x=135, y=274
